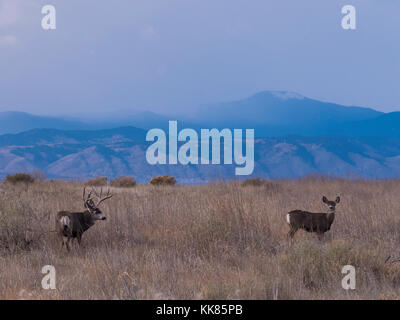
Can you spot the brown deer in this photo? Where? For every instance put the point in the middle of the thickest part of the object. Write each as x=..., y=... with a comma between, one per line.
x=312, y=222
x=71, y=225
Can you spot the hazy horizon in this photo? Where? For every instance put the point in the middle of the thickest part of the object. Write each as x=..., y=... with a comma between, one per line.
x=173, y=56
x=187, y=114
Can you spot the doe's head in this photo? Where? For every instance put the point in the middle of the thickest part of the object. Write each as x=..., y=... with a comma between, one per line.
x=331, y=204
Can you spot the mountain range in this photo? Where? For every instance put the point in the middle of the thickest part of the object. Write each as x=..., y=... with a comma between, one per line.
x=270, y=113
x=295, y=136
x=121, y=151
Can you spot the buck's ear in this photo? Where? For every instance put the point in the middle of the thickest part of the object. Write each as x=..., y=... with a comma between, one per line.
x=324, y=199
x=337, y=199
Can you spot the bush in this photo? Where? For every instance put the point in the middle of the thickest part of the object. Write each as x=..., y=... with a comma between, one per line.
x=38, y=175
x=123, y=182
x=163, y=181
x=96, y=182
x=256, y=182
x=20, y=178
x=268, y=185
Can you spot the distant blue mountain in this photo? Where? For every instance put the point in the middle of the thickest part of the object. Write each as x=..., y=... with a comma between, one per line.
x=116, y=152
x=71, y=137
x=270, y=113
x=280, y=113
x=385, y=125
x=297, y=136
x=281, y=108
x=14, y=122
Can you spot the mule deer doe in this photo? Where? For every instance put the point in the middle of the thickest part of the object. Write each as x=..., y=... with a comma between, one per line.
x=71, y=225
x=312, y=222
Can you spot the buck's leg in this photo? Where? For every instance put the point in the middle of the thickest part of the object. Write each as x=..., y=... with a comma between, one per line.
x=291, y=233
x=79, y=237
x=320, y=236
x=73, y=242
x=64, y=242
x=68, y=243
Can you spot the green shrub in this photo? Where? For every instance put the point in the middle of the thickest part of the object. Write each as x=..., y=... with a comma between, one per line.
x=163, y=181
x=123, y=182
x=20, y=178
x=97, y=182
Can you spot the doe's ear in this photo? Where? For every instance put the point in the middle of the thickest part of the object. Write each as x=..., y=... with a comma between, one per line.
x=324, y=199
x=337, y=199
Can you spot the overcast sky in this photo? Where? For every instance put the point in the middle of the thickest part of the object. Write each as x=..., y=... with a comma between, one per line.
x=173, y=55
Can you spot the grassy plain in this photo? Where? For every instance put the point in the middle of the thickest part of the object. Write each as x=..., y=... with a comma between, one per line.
x=219, y=241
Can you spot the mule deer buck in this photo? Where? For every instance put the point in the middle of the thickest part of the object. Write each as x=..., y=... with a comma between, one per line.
x=71, y=225
x=312, y=222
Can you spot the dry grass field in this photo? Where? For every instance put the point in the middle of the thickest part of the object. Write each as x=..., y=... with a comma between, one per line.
x=220, y=241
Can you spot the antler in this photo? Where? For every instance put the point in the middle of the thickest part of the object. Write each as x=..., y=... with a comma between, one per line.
x=108, y=196
x=83, y=195
x=87, y=199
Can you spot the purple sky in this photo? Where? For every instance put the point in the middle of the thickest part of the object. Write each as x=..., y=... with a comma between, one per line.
x=174, y=55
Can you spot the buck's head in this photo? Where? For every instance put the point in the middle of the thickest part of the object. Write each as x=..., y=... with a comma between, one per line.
x=93, y=207
x=331, y=204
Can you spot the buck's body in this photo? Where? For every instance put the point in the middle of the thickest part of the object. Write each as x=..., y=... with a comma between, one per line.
x=71, y=225
x=319, y=223
x=74, y=224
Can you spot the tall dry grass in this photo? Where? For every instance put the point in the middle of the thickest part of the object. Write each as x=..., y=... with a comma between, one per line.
x=221, y=241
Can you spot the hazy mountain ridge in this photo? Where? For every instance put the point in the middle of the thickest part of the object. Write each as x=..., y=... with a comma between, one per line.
x=296, y=136
x=122, y=151
x=270, y=113
x=281, y=108
x=280, y=113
